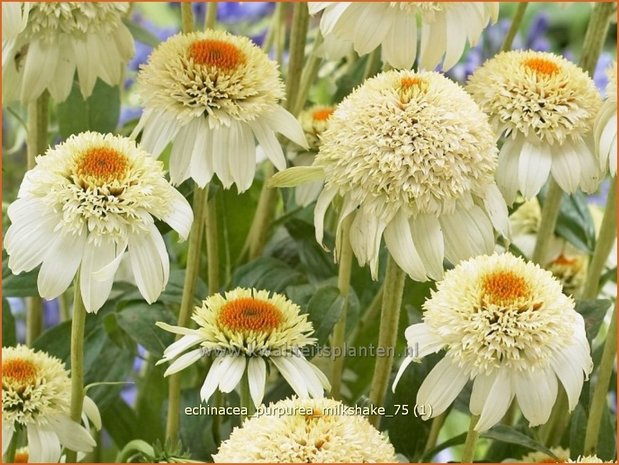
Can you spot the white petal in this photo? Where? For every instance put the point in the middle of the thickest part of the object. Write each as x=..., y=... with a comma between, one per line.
x=565, y=167
x=202, y=157
x=322, y=203
x=184, y=361
x=441, y=387
x=400, y=45
x=62, y=82
x=256, y=373
x=422, y=341
x=43, y=445
x=376, y=20
x=40, y=59
x=269, y=143
x=60, y=264
x=500, y=395
x=222, y=150
x=467, y=233
x=72, y=435
x=183, y=149
x=609, y=133
x=407, y=361
x=399, y=241
x=291, y=375
x=497, y=210
x=433, y=41
x=507, y=168
x=92, y=412
x=95, y=292
x=455, y=39
x=212, y=379
x=175, y=329
x=180, y=346
x=149, y=262
x=231, y=377
x=280, y=120
x=366, y=231
x=536, y=392
x=87, y=66
x=479, y=394
x=180, y=215
x=533, y=168
x=159, y=130
x=590, y=171
x=243, y=164
x=428, y=238
x=314, y=386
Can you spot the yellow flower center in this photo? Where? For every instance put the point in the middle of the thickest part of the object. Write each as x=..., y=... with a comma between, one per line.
x=249, y=314
x=411, y=81
x=541, y=66
x=216, y=53
x=503, y=288
x=102, y=164
x=316, y=413
x=411, y=86
x=19, y=372
x=322, y=115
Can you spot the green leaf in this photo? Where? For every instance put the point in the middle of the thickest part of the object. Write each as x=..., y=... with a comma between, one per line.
x=455, y=441
x=138, y=321
x=314, y=260
x=510, y=435
x=8, y=325
x=578, y=428
x=593, y=312
x=141, y=34
x=18, y=285
x=324, y=310
x=267, y=273
x=120, y=421
x=99, y=112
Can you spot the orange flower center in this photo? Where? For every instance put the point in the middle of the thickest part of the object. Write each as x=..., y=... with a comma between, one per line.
x=411, y=81
x=563, y=260
x=19, y=371
x=541, y=66
x=216, y=53
x=504, y=287
x=322, y=115
x=249, y=314
x=103, y=164
x=21, y=457
x=316, y=413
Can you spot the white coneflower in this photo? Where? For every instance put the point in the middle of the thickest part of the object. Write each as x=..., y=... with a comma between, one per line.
x=244, y=329
x=445, y=28
x=314, y=122
x=545, y=107
x=413, y=158
x=35, y=396
x=605, y=129
x=85, y=203
x=306, y=431
x=505, y=324
x=57, y=39
x=210, y=94
x=563, y=455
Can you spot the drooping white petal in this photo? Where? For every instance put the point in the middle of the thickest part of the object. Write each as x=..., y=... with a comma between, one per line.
x=71, y=435
x=455, y=38
x=366, y=231
x=212, y=379
x=479, y=394
x=441, y=387
x=231, y=376
x=565, y=167
x=428, y=237
x=62, y=82
x=405, y=363
x=269, y=143
x=180, y=215
x=536, y=392
x=95, y=292
x=92, y=412
x=433, y=44
x=184, y=361
x=291, y=375
x=533, y=167
x=280, y=120
x=399, y=241
x=149, y=262
x=590, y=171
x=500, y=395
x=314, y=386
x=222, y=150
x=60, y=264
x=256, y=373
x=376, y=20
x=87, y=65
x=507, y=168
x=183, y=149
x=497, y=210
x=159, y=131
x=40, y=59
x=322, y=203
x=243, y=165
x=43, y=445
x=467, y=233
x=180, y=346
x=422, y=341
x=400, y=46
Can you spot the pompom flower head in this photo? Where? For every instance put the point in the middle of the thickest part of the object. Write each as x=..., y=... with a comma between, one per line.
x=445, y=29
x=505, y=324
x=306, y=431
x=86, y=202
x=48, y=41
x=605, y=130
x=210, y=94
x=35, y=396
x=412, y=158
x=244, y=329
x=545, y=107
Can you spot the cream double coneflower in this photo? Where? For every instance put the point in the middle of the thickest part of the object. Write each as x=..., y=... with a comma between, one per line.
x=445, y=29
x=545, y=107
x=412, y=158
x=244, y=329
x=605, y=129
x=306, y=431
x=35, y=397
x=210, y=94
x=47, y=41
x=506, y=325
x=86, y=202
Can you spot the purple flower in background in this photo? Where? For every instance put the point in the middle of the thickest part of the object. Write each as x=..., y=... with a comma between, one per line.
x=599, y=75
x=51, y=313
x=129, y=114
x=230, y=12
x=536, y=38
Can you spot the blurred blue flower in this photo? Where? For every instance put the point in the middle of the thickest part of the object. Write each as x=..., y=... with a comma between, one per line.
x=18, y=309
x=599, y=75
x=599, y=198
x=51, y=313
x=128, y=113
x=536, y=37
x=230, y=12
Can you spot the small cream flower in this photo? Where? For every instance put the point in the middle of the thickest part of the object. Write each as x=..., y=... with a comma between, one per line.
x=413, y=159
x=589, y=459
x=210, y=94
x=545, y=107
x=35, y=395
x=506, y=325
x=47, y=41
x=445, y=29
x=605, y=128
x=85, y=203
x=244, y=329
x=306, y=431
x=540, y=457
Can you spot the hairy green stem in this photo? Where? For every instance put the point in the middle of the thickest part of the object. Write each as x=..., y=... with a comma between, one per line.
x=471, y=439
x=187, y=303
x=309, y=75
x=211, y=15
x=338, y=341
x=550, y=213
x=246, y=402
x=186, y=17
x=514, y=26
x=212, y=246
x=387, y=335
x=78, y=325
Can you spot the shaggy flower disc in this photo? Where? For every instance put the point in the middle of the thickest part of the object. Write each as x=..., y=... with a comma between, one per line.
x=35, y=396
x=305, y=431
x=545, y=106
x=413, y=159
x=210, y=94
x=47, y=41
x=605, y=129
x=445, y=29
x=506, y=324
x=85, y=203
x=244, y=329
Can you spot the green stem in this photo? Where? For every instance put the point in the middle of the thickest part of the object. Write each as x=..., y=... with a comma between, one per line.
x=270, y=37
x=550, y=213
x=212, y=246
x=369, y=315
x=280, y=33
x=211, y=15
x=312, y=66
x=186, y=17
x=265, y=211
x=387, y=335
x=338, y=341
x=597, y=30
x=550, y=432
x=515, y=26
x=246, y=401
x=371, y=65
x=36, y=145
x=298, y=35
x=63, y=307
x=604, y=244
x=471, y=439
x=187, y=303
x=600, y=392
x=9, y=457
x=78, y=324
x=435, y=429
